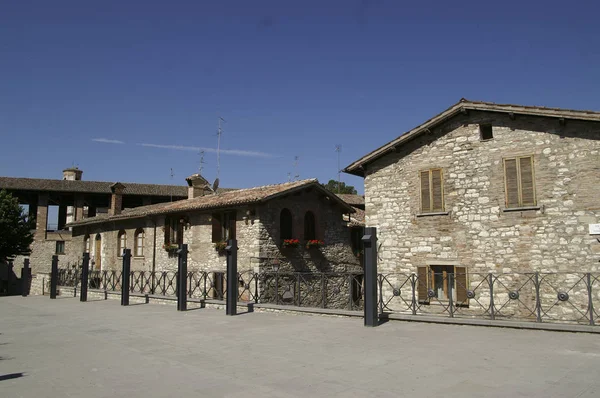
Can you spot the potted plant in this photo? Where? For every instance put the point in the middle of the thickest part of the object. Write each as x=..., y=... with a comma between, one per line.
x=289, y=243
x=220, y=246
x=171, y=247
x=314, y=243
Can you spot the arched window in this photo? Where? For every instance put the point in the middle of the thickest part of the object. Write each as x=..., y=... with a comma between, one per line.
x=86, y=244
x=138, y=244
x=310, y=231
x=122, y=242
x=285, y=224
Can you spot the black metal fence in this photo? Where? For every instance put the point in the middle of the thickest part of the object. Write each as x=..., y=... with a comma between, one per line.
x=304, y=289
x=535, y=297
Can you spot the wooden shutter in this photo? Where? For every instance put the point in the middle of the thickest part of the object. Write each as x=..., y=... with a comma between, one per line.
x=422, y=284
x=179, y=232
x=425, y=192
x=167, y=230
x=232, y=224
x=437, y=190
x=216, y=228
x=461, y=286
x=511, y=181
x=526, y=177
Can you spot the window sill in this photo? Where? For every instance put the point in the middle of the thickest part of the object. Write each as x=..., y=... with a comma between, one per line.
x=439, y=213
x=526, y=208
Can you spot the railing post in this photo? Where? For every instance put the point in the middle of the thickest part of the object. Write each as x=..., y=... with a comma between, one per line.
x=54, y=277
x=232, y=280
x=25, y=277
x=590, y=298
x=492, y=305
x=450, y=277
x=323, y=292
x=85, y=268
x=182, y=277
x=413, y=285
x=380, y=290
x=538, y=303
x=126, y=275
x=370, y=267
x=9, y=278
x=256, y=276
x=277, y=286
x=350, y=291
x=298, y=291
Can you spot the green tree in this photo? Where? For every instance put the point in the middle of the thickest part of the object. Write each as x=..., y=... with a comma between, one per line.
x=332, y=185
x=16, y=233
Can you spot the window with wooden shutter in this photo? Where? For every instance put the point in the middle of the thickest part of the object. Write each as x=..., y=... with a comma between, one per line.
x=216, y=228
x=519, y=181
x=432, y=191
x=461, y=286
x=167, y=231
x=422, y=284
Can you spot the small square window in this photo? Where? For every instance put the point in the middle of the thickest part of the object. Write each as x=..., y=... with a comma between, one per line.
x=485, y=132
x=60, y=247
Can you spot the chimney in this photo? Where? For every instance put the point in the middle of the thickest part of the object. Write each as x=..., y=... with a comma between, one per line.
x=72, y=173
x=197, y=186
x=116, y=200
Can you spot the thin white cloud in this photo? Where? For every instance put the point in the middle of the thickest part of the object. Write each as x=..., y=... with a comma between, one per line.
x=233, y=152
x=107, y=141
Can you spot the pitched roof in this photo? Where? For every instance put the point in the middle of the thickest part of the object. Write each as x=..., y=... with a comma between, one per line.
x=463, y=105
x=102, y=187
x=220, y=200
x=351, y=199
x=357, y=219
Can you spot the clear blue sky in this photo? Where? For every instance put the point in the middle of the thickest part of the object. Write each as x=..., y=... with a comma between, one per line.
x=291, y=78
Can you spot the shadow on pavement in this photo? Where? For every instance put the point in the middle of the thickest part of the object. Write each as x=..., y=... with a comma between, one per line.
x=11, y=376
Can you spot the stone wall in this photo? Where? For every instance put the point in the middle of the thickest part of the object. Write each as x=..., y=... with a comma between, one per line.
x=44, y=247
x=477, y=232
x=335, y=256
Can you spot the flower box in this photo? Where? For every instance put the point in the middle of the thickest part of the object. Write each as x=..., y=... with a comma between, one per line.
x=171, y=247
x=220, y=246
x=314, y=243
x=289, y=243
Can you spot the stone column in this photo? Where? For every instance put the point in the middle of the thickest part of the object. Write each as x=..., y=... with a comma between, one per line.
x=79, y=201
x=42, y=217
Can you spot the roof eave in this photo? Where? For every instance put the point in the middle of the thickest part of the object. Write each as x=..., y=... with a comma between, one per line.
x=358, y=167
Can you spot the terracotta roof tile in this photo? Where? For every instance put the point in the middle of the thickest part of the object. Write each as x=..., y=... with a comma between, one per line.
x=352, y=199
x=219, y=200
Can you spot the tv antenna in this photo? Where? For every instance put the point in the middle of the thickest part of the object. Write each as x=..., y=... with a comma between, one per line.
x=219, y=133
x=296, y=175
x=338, y=149
x=172, y=175
x=201, y=165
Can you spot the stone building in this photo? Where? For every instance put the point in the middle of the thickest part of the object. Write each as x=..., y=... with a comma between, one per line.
x=259, y=218
x=72, y=199
x=484, y=187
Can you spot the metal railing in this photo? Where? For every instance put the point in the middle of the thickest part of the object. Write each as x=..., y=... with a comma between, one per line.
x=534, y=297
x=304, y=289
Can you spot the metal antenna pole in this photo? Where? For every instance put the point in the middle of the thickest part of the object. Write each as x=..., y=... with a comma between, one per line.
x=296, y=175
x=201, y=166
x=219, y=132
x=338, y=149
x=172, y=175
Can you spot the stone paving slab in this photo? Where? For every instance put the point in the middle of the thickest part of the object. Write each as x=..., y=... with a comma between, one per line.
x=65, y=348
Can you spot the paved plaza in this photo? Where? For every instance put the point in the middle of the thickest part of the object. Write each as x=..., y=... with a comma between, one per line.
x=65, y=348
